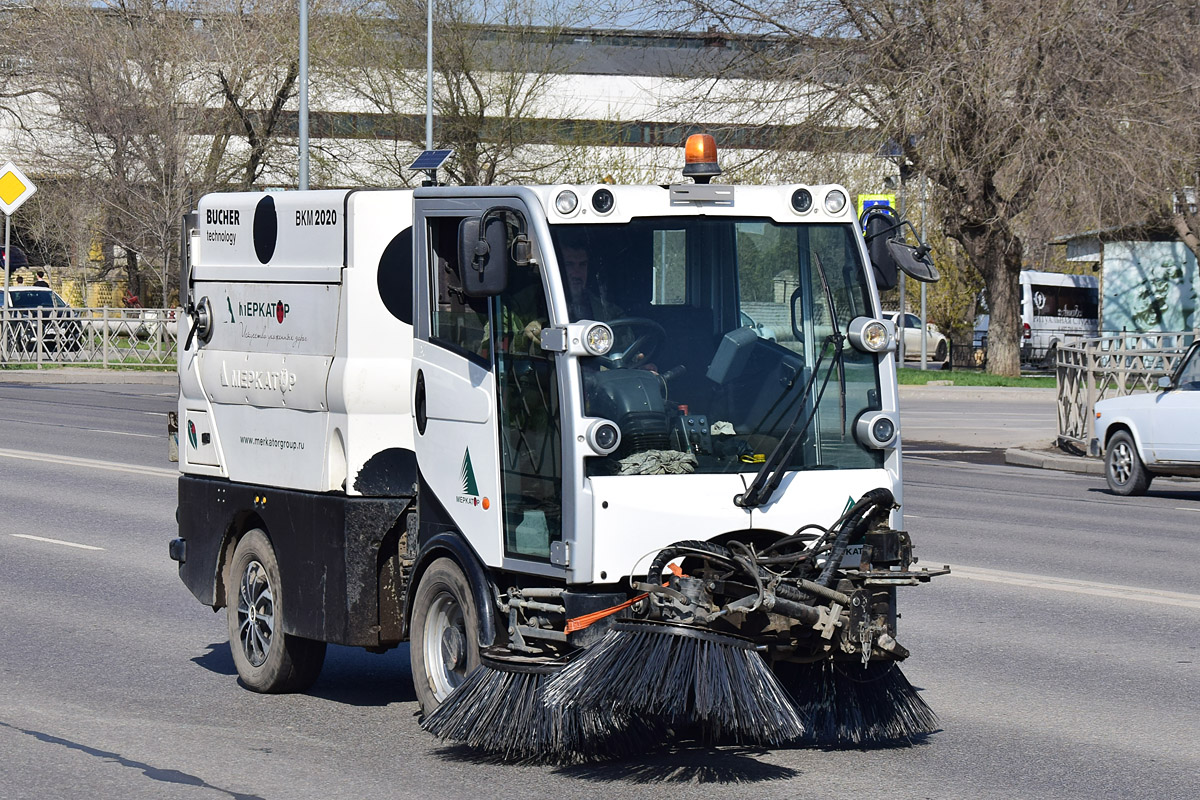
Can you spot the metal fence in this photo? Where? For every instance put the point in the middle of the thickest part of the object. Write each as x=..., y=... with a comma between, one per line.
x=1089, y=370
x=104, y=337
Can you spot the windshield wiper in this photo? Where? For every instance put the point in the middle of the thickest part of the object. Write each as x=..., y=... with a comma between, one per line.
x=770, y=475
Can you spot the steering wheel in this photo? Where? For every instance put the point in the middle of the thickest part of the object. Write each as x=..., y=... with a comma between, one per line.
x=647, y=335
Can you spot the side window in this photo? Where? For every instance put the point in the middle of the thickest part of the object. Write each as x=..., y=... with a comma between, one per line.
x=670, y=268
x=1189, y=376
x=457, y=321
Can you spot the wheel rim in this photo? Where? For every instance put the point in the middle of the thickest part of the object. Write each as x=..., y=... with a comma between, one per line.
x=445, y=645
x=256, y=613
x=1122, y=463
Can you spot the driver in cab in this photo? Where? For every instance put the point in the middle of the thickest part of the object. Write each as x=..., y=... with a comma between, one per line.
x=584, y=300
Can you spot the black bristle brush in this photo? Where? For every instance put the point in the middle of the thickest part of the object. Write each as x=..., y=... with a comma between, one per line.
x=713, y=685
x=847, y=704
x=500, y=710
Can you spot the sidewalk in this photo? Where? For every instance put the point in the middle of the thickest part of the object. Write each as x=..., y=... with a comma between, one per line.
x=87, y=375
x=1019, y=421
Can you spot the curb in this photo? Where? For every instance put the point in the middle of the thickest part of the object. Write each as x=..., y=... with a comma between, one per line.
x=1007, y=393
x=79, y=375
x=1041, y=459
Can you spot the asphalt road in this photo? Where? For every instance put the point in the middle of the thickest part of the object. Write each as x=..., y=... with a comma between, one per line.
x=1061, y=655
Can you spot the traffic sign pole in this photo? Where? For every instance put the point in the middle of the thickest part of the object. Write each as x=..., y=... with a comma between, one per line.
x=15, y=189
x=4, y=306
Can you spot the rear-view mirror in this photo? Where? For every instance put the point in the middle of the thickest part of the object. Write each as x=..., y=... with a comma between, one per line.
x=879, y=226
x=915, y=261
x=484, y=255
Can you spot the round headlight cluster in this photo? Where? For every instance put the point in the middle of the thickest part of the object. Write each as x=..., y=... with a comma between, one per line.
x=566, y=202
x=835, y=201
x=877, y=429
x=603, y=436
x=603, y=201
x=801, y=200
x=870, y=335
x=598, y=339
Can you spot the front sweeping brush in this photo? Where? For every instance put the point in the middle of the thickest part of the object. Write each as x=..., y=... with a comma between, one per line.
x=687, y=677
x=500, y=710
x=846, y=704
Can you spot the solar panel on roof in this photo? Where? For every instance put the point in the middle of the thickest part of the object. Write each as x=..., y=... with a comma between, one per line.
x=431, y=159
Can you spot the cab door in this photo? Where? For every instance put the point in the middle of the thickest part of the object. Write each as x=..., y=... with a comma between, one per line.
x=486, y=395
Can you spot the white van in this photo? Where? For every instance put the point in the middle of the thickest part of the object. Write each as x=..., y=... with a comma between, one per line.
x=1054, y=308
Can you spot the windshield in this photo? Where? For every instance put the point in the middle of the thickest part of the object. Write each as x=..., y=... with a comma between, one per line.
x=719, y=325
x=31, y=299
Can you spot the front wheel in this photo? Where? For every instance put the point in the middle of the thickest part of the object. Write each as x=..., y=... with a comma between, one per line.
x=444, y=645
x=267, y=659
x=1123, y=468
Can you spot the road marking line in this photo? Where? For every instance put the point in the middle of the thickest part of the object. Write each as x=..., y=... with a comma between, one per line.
x=1159, y=596
x=92, y=463
x=125, y=433
x=55, y=541
x=910, y=451
x=1178, y=508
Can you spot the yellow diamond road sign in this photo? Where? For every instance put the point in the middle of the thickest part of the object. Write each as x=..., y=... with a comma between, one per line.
x=15, y=188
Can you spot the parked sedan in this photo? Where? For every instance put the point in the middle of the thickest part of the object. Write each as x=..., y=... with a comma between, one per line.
x=1144, y=435
x=937, y=346
x=60, y=327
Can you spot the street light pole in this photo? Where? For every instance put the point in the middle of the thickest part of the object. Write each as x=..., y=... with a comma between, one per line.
x=429, y=75
x=303, y=177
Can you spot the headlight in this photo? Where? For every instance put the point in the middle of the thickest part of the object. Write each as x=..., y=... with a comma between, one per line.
x=877, y=429
x=872, y=335
x=603, y=201
x=835, y=201
x=801, y=200
x=603, y=436
x=598, y=339
x=566, y=202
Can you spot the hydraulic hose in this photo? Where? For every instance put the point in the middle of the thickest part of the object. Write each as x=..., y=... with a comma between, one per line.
x=857, y=521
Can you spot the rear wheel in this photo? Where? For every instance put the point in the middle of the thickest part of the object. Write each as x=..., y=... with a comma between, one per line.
x=444, y=645
x=267, y=659
x=1123, y=468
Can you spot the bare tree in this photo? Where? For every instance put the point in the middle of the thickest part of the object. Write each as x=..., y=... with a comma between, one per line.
x=1004, y=106
x=251, y=65
x=495, y=62
x=117, y=84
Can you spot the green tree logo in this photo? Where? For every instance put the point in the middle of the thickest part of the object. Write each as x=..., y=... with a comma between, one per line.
x=469, y=487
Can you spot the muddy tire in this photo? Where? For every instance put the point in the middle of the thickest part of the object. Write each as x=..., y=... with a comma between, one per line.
x=267, y=659
x=444, y=642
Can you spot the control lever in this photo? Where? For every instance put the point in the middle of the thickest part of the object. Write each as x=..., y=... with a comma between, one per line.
x=674, y=372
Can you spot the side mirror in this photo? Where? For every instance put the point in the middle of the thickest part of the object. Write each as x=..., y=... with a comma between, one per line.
x=191, y=221
x=1164, y=382
x=915, y=261
x=879, y=225
x=485, y=253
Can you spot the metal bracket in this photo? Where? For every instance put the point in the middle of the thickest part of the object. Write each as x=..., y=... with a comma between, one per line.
x=560, y=554
x=830, y=621
x=554, y=340
x=688, y=193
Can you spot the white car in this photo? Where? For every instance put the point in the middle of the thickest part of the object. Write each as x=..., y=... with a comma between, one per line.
x=1144, y=435
x=937, y=347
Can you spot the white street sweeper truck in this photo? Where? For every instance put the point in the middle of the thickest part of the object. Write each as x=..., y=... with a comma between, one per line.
x=621, y=463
